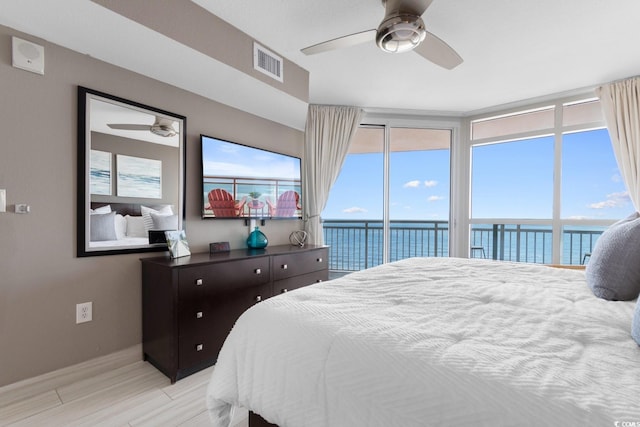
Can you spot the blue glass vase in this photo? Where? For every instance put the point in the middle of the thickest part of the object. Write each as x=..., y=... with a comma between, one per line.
x=257, y=239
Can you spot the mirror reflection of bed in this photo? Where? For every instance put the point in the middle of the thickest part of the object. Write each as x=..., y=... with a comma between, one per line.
x=129, y=225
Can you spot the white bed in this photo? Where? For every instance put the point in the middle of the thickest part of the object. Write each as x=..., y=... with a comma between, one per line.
x=434, y=341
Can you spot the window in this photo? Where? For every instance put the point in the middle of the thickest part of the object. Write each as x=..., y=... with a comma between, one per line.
x=546, y=194
x=592, y=187
x=393, y=203
x=513, y=179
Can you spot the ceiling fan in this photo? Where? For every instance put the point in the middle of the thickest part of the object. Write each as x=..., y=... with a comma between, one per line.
x=161, y=126
x=401, y=30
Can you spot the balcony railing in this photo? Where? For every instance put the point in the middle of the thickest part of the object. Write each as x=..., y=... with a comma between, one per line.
x=356, y=245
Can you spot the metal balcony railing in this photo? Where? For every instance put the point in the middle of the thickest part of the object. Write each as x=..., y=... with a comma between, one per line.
x=356, y=245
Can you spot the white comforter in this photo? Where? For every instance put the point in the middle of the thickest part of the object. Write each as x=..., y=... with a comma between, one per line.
x=434, y=342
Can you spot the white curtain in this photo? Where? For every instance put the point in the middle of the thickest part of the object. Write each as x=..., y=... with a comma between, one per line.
x=621, y=106
x=328, y=134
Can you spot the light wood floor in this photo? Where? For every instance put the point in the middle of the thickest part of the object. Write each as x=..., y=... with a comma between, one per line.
x=116, y=390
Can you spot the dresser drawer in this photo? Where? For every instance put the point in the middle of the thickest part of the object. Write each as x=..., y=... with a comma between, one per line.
x=202, y=330
x=224, y=277
x=197, y=349
x=285, y=285
x=295, y=264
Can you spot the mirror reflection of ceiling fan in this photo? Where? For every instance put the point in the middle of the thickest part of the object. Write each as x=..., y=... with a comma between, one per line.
x=161, y=126
x=401, y=30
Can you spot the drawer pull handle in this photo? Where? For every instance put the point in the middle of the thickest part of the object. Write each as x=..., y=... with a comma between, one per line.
x=285, y=266
x=199, y=347
x=319, y=260
x=258, y=298
x=199, y=315
x=199, y=282
x=258, y=271
x=285, y=290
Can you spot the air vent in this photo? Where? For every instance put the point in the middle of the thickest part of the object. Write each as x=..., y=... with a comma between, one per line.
x=267, y=62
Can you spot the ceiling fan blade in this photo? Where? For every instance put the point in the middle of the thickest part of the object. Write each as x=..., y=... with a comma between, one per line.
x=437, y=51
x=415, y=7
x=129, y=127
x=341, y=42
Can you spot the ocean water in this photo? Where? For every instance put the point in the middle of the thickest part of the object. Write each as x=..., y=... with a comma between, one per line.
x=357, y=245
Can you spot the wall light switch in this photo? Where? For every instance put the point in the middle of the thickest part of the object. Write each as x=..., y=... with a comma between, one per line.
x=3, y=200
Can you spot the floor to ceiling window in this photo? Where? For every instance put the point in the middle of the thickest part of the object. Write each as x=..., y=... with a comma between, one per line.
x=391, y=199
x=544, y=184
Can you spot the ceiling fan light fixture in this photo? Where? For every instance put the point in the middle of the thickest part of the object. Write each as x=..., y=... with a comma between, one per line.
x=400, y=33
x=163, y=130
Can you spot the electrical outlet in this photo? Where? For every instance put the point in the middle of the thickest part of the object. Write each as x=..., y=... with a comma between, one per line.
x=84, y=312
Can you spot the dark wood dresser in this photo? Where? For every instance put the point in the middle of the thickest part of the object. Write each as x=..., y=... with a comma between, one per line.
x=190, y=304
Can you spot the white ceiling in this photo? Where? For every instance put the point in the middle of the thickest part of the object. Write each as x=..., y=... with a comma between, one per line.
x=513, y=50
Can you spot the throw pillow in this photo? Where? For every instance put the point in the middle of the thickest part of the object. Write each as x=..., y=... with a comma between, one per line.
x=164, y=222
x=121, y=226
x=101, y=210
x=160, y=210
x=635, y=326
x=135, y=226
x=613, y=271
x=102, y=227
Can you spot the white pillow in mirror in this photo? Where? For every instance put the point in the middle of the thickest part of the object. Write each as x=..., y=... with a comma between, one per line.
x=102, y=227
x=135, y=226
x=121, y=227
x=164, y=222
x=158, y=210
x=101, y=210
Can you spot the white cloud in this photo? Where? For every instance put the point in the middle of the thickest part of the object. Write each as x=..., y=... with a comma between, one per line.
x=412, y=184
x=614, y=200
x=416, y=183
x=355, y=209
x=434, y=198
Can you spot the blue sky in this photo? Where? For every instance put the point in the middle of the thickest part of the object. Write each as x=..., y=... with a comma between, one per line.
x=510, y=180
x=222, y=158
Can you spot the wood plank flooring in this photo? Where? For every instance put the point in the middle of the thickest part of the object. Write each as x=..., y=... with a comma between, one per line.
x=118, y=390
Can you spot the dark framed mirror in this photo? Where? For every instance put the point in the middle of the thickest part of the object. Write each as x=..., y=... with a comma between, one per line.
x=131, y=175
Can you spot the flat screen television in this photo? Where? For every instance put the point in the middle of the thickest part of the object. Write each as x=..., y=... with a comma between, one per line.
x=239, y=181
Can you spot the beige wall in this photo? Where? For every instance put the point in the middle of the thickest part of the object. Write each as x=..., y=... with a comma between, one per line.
x=41, y=279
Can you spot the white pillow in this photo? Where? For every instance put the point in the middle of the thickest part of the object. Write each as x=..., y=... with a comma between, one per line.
x=164, y=222
x=635, y=324
x=135, y=226
x=121, y=227
x=102, y=227
x=101, y=210
x=159, y=210
x=613, y=271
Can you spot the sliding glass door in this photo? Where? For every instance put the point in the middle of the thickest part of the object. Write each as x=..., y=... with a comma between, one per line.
x=391, y=200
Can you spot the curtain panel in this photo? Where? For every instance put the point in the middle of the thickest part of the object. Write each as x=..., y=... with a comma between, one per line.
x=621, y=107
x=328, y=134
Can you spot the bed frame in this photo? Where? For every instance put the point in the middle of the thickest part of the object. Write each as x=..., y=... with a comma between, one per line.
x=123, y=209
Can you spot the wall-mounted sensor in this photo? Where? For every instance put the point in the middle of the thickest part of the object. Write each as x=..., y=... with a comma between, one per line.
x=27, y=56
x=22, y=208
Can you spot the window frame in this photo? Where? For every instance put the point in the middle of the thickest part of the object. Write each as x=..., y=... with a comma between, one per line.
x=557, y=131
